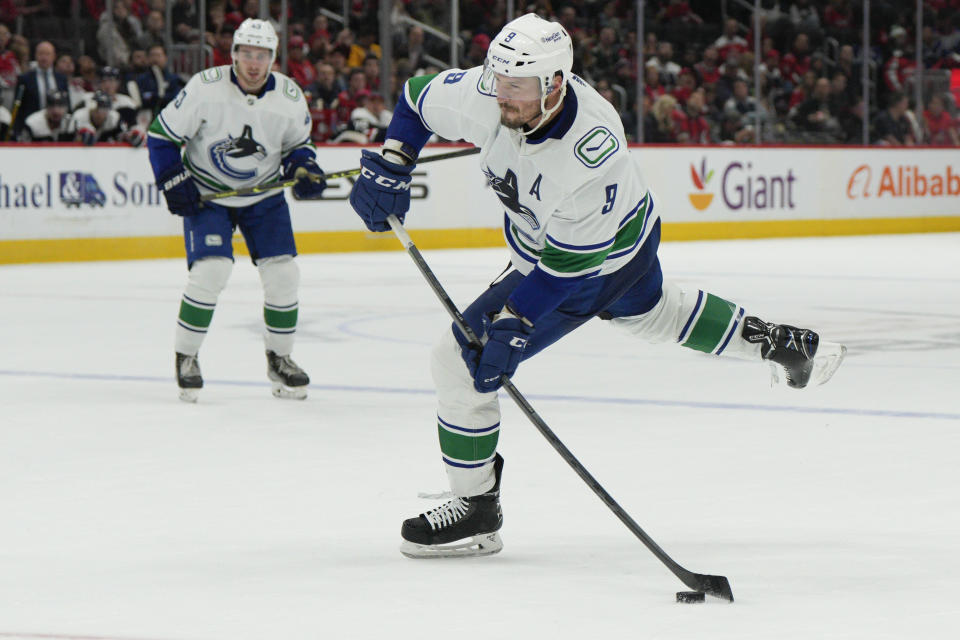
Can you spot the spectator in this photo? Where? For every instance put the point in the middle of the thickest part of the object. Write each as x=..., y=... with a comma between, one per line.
x=158, y=85
x=941, y=128
x=321, y=28
x=804, y=16
x=898, y=67
x=186, y=19
x=797, y=61
x=605, y=54
x=223, y=42
x=363, y=47
x=298, y=67
x=730, y=72
x=9, y=65
x=75, y=91
x=371, y=69
x=851, y=122
x=477, y=52
x=324, y=90
x=813, y=114
x=666, y=67
x=692, y=127
x=414, y=49
x=659, y=125
x=38, y=83
x=891, y=127
x=840, y=97
x=804, y=90
x=348, y=100
x=651, y=85
x=686, y=84
x=368, y=122
x=117, y=34
x=154, y=31
x=741, y=102
x=50, y=124
x=708, y=69
x=87, y=73
x=730, y=41
x=847, y=65
x=678, y=11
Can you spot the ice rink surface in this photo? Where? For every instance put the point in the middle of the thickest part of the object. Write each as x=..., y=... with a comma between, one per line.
x=834, y=511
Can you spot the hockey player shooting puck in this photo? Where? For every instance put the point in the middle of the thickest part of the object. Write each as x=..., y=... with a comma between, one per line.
x=690, y=596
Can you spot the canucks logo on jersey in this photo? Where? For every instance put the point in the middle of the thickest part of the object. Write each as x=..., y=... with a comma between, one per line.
x=506, y=190
x=222, y=151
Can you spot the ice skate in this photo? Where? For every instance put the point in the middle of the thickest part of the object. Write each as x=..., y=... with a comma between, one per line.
x=288, y=379
x=804, y=358
x=459, y=528
x=188, y=377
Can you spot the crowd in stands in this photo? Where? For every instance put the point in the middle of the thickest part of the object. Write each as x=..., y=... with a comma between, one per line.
x=697, y=85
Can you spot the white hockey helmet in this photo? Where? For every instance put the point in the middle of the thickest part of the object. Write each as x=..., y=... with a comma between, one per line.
x=531, y=47
x=256, y=33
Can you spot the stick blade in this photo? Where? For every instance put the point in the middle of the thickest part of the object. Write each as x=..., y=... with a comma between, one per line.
x=717, y=586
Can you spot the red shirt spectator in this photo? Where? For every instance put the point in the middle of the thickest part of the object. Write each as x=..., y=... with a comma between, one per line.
x=690, y=125
x=796, y=63
x=709, y=68
x=896, y=70
x=730, y=41
x=298, y=66
x=941, y=127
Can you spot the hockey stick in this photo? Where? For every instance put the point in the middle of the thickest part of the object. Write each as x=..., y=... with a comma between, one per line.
x=717, y=586
x=17, y=101
x=328, y=176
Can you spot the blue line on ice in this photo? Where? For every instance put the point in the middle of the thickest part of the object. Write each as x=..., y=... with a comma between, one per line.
x=886, y=413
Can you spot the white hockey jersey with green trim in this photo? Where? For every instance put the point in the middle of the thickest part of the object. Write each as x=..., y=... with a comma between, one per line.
x=576, y=204
x=231, y=139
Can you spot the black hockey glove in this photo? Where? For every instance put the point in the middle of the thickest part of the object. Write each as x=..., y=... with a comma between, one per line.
x=310, y=183
x=183, y=198
x=507, y=337
x=382, y=189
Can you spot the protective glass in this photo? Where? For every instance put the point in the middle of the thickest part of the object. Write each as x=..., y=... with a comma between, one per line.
x=507, y=88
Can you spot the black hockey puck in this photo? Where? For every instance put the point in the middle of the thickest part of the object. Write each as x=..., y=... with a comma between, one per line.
x=690, y=596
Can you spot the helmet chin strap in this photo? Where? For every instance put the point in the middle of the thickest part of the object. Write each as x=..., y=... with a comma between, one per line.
x=544, y=112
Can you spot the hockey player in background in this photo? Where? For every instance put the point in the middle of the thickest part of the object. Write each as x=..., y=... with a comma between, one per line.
x=236, y=126
x=51, y=124
x=583, y=230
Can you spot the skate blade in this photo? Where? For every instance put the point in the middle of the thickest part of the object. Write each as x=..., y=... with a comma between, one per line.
x=828, y=359
x=484, y=544
x=289, y=393
x=189, y=395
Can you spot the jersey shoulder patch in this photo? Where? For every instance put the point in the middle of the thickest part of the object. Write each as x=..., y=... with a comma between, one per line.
x=596, y=146
x=211, y=75
x=290, y=90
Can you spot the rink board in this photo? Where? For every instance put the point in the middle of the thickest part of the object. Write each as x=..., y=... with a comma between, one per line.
x=66, y=203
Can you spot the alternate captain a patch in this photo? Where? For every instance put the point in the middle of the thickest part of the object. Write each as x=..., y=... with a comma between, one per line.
x=594, y=148
x=506, y=189
x=238, y=157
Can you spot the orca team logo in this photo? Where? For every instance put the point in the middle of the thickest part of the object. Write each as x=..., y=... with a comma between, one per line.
x=506, y=190
x=77, y=188
x=238, y=158
x=702, y=198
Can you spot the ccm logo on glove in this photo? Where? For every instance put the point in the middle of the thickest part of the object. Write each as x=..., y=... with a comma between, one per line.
x=384, y=181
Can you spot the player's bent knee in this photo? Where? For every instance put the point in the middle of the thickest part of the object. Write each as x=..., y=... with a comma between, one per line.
x=664, y=321
x=208, y=276
x=280, y=276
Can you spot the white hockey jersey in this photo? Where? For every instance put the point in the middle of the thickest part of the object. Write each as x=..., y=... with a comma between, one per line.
x=233, y=140
x=574, y=201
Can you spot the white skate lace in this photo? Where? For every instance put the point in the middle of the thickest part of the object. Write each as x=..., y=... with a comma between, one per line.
x=447, y=514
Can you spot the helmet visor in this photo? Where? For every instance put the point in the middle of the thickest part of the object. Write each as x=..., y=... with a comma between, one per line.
x=509, y=88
